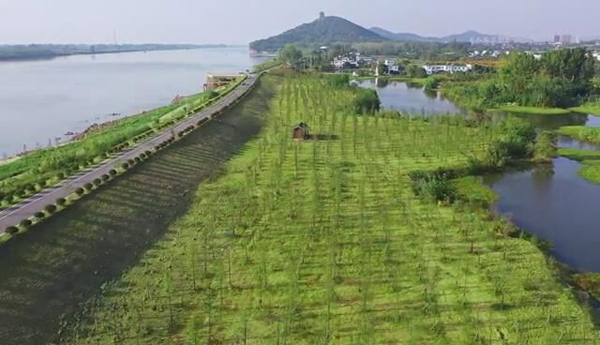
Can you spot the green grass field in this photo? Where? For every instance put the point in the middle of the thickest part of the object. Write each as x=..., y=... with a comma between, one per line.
x=323, y=242
x=56, y=265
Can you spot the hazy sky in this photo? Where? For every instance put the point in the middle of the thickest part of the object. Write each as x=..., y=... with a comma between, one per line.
x=241, y=21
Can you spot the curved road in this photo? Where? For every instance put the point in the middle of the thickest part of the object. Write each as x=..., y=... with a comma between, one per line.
x=35, y=203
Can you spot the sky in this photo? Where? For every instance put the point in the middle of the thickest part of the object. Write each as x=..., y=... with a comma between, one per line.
x=242, y=21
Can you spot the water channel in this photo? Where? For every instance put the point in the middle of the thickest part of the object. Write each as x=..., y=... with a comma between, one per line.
x=550, y=201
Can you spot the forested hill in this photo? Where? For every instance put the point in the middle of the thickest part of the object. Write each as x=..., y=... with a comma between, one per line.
x=323, y=31
x=41, y=51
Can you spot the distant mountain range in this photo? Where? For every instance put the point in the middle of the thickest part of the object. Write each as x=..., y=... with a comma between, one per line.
x=331, y=29
x=468, y=36
x=324, y=30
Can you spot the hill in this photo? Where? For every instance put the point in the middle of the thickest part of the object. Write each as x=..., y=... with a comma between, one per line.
x=402, y=36
x=323, y=31
x=467, y=36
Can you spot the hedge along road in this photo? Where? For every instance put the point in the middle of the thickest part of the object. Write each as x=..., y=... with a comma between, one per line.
x=36, y=203
x=47, y=272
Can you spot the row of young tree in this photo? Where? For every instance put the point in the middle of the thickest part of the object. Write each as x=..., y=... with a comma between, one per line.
x=561, y=78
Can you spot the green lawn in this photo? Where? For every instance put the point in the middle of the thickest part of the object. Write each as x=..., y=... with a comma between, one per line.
x=323, y=241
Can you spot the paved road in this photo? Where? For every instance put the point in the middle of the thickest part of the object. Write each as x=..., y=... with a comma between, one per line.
x=35, y=203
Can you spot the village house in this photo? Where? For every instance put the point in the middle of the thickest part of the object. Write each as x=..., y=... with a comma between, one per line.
x=439, y=69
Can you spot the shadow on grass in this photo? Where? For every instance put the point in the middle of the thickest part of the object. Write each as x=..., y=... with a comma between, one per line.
x=48, y=272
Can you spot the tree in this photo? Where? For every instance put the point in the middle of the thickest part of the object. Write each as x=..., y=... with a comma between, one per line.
x=415, y=71
x=290, y=55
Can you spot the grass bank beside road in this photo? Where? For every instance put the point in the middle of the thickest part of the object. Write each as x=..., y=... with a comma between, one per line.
x=40, y=169
x=49, y=270
x=324, y=241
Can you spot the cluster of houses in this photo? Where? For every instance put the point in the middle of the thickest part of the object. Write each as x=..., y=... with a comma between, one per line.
x=350, y=61
x=495, y=54
x=355, y=61
x=440, y=69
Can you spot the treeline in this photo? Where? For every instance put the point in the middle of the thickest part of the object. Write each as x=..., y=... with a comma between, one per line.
x=562, y=78
x=415, y=50
x=38, y=51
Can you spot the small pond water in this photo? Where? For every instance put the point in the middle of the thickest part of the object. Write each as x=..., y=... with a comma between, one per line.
x=409, y=99
x=554, y=203
x=550, y=201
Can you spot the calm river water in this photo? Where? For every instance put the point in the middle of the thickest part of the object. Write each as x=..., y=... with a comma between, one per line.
x=550, y=201
x=44, y=99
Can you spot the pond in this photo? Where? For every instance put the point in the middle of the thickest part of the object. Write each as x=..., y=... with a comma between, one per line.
x=552, y=202
x=407, y=98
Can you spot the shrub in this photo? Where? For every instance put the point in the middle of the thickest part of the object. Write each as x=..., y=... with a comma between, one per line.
x=61, y=176
x=148, y=153
x=42, y=183
x=366, y=101
x=88, y=187
x=50, y=208
x=26, y=223
x=131, y=162
x=11, y=230
x=435, y=184
x=39, y=215
x=105, y=177
x=97, y=182
x=138, y=159
x=79, y=191
x=125, y=165
x=61, y=201
x=545, y=146
x=112, y=172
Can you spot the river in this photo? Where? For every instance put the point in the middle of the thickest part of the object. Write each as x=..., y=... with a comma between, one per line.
x=42, y=100
x=550, y=201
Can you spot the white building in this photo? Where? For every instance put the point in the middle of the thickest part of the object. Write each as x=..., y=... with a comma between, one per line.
x=437, y=69
x=392, y=68
x=596, y=55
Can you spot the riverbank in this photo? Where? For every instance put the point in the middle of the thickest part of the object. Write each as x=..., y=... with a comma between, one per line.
x=51, y=51
x=590, y=171
x=299, y=239
x=44, y=168
x=49, y=270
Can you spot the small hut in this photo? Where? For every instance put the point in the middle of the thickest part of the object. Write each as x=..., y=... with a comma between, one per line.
x=301, y=131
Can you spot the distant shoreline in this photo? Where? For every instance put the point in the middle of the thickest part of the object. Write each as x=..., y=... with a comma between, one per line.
x=29, y=53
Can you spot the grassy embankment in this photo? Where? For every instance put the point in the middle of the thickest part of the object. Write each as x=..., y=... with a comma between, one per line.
x=324, y=241
x=47, y=271
x=532, y=110
x=32, y=173
x=592, y=108
x=590, y=160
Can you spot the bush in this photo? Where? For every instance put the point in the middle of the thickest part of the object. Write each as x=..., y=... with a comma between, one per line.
x=50, y=208
x=11, y=230
x=61, y=201
x=26, y=223
x=61, y=176
x=88, y=187
x=435, y=184
x=39, y=215
x=148, y=153
x=112, y=172
x=105, y=177
x=79, y=191
x=97, y=182
x=131, y=162
x=125, y=166
x=366, y=101
x=138, y=159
